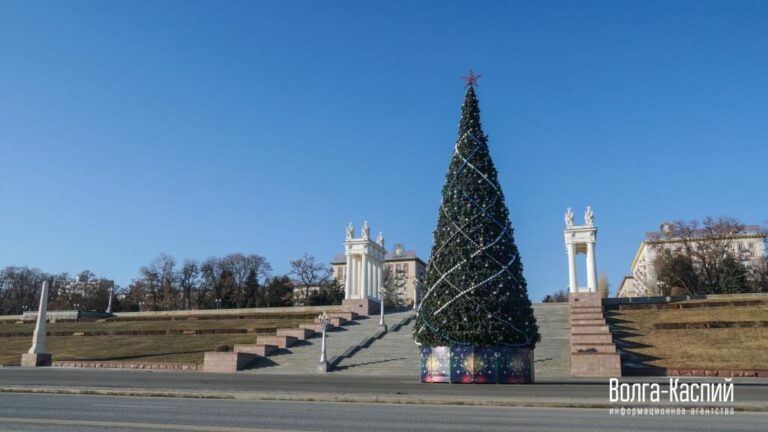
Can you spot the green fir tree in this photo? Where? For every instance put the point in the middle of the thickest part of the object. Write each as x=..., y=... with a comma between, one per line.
x=475, y=290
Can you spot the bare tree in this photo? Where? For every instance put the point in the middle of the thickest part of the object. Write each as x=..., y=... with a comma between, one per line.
x=701, y=257
x=150, y=279
x=759, y=276
x=210, y=282
x=557, y=297
x=243, y=269
x=309, y=273
x=394, y=287
x=189, y=280
x=603, y=286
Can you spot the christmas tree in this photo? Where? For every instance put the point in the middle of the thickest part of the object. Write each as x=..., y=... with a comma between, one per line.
x=475, y=290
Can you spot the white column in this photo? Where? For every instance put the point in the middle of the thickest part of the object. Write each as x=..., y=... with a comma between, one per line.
x=591, y=268
x=373, y=278
x=353, y=277
x=364, y=277
x=572, y=279
x=369, y=274
x=358, y=277
x=348, y=278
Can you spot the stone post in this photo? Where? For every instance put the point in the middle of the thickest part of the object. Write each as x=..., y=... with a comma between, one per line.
x=381, y=308
x=380, y=280
x=36, y=356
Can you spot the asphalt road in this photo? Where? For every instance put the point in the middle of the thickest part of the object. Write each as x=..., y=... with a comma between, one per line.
x=65, y=413
x=597, y=390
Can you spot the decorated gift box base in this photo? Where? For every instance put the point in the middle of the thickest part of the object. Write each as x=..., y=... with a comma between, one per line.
x=476, y=365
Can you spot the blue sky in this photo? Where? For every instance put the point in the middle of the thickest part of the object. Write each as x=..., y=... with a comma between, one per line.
x=131, y=128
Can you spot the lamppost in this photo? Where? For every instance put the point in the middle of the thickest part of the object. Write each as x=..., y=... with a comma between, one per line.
x=141, y=306
x=382, y=292
x=218, y=303
x=323, y=365
x=416, y=290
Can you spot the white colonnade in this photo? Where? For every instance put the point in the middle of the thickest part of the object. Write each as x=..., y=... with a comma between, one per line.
x=581, y=239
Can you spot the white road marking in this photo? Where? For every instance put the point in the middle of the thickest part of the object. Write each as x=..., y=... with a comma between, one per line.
x=131, y=406
x=155, y=426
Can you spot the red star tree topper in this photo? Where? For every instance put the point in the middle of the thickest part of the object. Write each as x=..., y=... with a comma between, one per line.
x=471, y=79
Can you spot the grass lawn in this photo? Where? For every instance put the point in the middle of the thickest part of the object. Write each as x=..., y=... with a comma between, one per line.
x=163, y=348
x=717, y=348
x=172, y=349
x=155, y=325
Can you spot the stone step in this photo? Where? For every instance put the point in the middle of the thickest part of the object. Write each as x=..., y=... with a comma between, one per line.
x=596, y=364
x=589, y=329
x=585, y=338
x=581, y=300
x=337, y=321
x=262, y=350
x=586, y=316
x=317, y=328
x=586, y=309
x=279, y=341
x=349, y=316
x=603, y=348
x=227, y=362
x=298, y=333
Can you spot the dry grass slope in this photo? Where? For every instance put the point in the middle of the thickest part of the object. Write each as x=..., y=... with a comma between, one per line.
x=155, y=348
x=705, y=348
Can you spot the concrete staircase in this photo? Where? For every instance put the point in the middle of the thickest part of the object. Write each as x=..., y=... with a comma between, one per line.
x=552, y=356
x=396, y=353
x=393, y=354
x=303, y=357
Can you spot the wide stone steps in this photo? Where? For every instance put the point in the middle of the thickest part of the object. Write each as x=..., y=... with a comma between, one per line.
x=396, y=353
x=552, y=357
x=303, y=357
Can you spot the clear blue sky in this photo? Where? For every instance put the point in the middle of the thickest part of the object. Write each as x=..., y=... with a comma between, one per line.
x=131, y=128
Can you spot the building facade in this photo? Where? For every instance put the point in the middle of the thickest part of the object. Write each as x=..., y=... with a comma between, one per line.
x=403, y=269
x=747, y=246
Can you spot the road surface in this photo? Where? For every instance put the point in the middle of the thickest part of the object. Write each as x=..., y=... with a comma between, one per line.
x=316, y=386
x=66, y=413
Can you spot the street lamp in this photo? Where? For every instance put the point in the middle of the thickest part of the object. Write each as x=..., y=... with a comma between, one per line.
x=141, y=306
x=416, y=290
x=382, y=291
x=323, y=365
x=218, y=303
